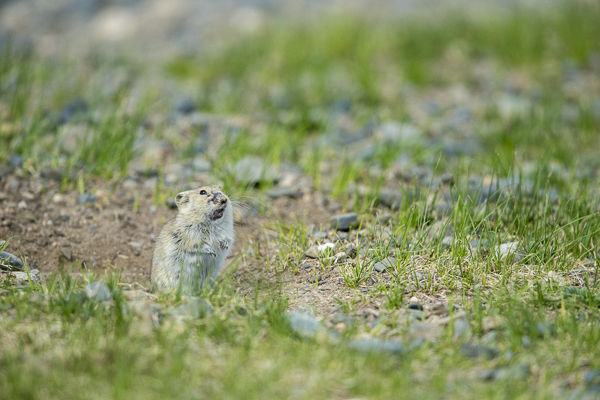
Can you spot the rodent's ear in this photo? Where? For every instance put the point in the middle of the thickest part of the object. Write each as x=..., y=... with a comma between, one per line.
x=181, y=199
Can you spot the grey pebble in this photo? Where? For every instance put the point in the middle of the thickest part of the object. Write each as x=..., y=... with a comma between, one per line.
x=67, y=253
x=343, y=222
x=22, y=276
x=416, y=315
x=305, y=324
x=461, y=328
x=16, y=161
x=415, y=306
x=85, y=198
x=390, y=199
x=545, y=329
x=319, y=235
x=9, y=261
x=138, y=245
x=276, y=193
x=252, y=171
x=516, y=372
x=476, y=351
x=387, y=263
x=304, y=266
x=393, y=346
x=195, y=308
x=76, y=107
x=185, y=106
x=98, y=291
x=510, y=251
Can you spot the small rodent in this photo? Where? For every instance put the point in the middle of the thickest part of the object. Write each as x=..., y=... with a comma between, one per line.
x=193, y=246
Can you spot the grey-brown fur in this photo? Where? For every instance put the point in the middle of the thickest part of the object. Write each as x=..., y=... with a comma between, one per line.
x=193, y=246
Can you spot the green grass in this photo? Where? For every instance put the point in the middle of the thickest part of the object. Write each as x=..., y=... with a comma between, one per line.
x=280, y=94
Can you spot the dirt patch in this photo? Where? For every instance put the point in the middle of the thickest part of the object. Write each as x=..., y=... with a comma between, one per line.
x=112, y=228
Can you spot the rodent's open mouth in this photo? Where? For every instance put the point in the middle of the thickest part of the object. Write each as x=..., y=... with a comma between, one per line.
x=218, y=213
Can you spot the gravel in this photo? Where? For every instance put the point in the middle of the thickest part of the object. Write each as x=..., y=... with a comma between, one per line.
x=253, y=171
x=67, y=253
x=305, y=324
x=98, y=291
x=195, y=308
x=343, y=222
x=85, y=198
x=476, y=351
x=511, y=251
x=368, y=345
x=319, y=250
x=385, y=264
x=9, y=261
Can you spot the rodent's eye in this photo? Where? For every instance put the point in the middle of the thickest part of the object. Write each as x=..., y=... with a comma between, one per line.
x=203, y=192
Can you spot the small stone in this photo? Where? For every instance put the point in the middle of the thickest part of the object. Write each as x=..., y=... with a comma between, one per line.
x=16, y=161
x=413, y=300
x=305, y=324
x=516, y=372
x=195, y=308
x=85, y=198
x=22, y=205
x=304, y=266
x=492, y=322
x=387, y=263
x=440, y=309
x=137, y=245
x=93, y=260
x=52, y=175
x=510, y=251
x=591, y=377
x=67, y=253
x=319, y=250
x=341, y=235
x=489, y=338
x=417, y=315
x=276, y=193
x=76, y=107
x=447, y=241
x=23, y=277
x=252, y=171
x=369, y=345
x=9, y=261
x=415, y=306
x=130, y=184
x=391, y=199
x=545, y=329
x=461, y=328
x=475, y=351
x=185, y=106
x=98, y=291
x=319, y=279
x=343, y=222
x=425, y=330
x=319, y=235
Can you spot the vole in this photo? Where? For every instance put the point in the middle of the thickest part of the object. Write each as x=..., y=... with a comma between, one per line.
x=192, y=247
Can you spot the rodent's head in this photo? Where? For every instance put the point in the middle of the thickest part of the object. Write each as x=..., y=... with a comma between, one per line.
x=207, y=204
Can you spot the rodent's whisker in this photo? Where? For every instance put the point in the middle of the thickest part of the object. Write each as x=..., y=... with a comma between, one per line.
x=255, y=199
x=243, y=205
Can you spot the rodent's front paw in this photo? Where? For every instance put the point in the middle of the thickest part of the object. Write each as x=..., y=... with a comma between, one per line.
x=206, y=249
x=224, y=245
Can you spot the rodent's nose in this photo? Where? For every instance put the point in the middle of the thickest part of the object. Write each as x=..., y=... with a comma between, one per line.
x=218, y=198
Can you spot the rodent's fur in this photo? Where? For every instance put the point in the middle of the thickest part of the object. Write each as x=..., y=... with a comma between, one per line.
x=193, y=246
